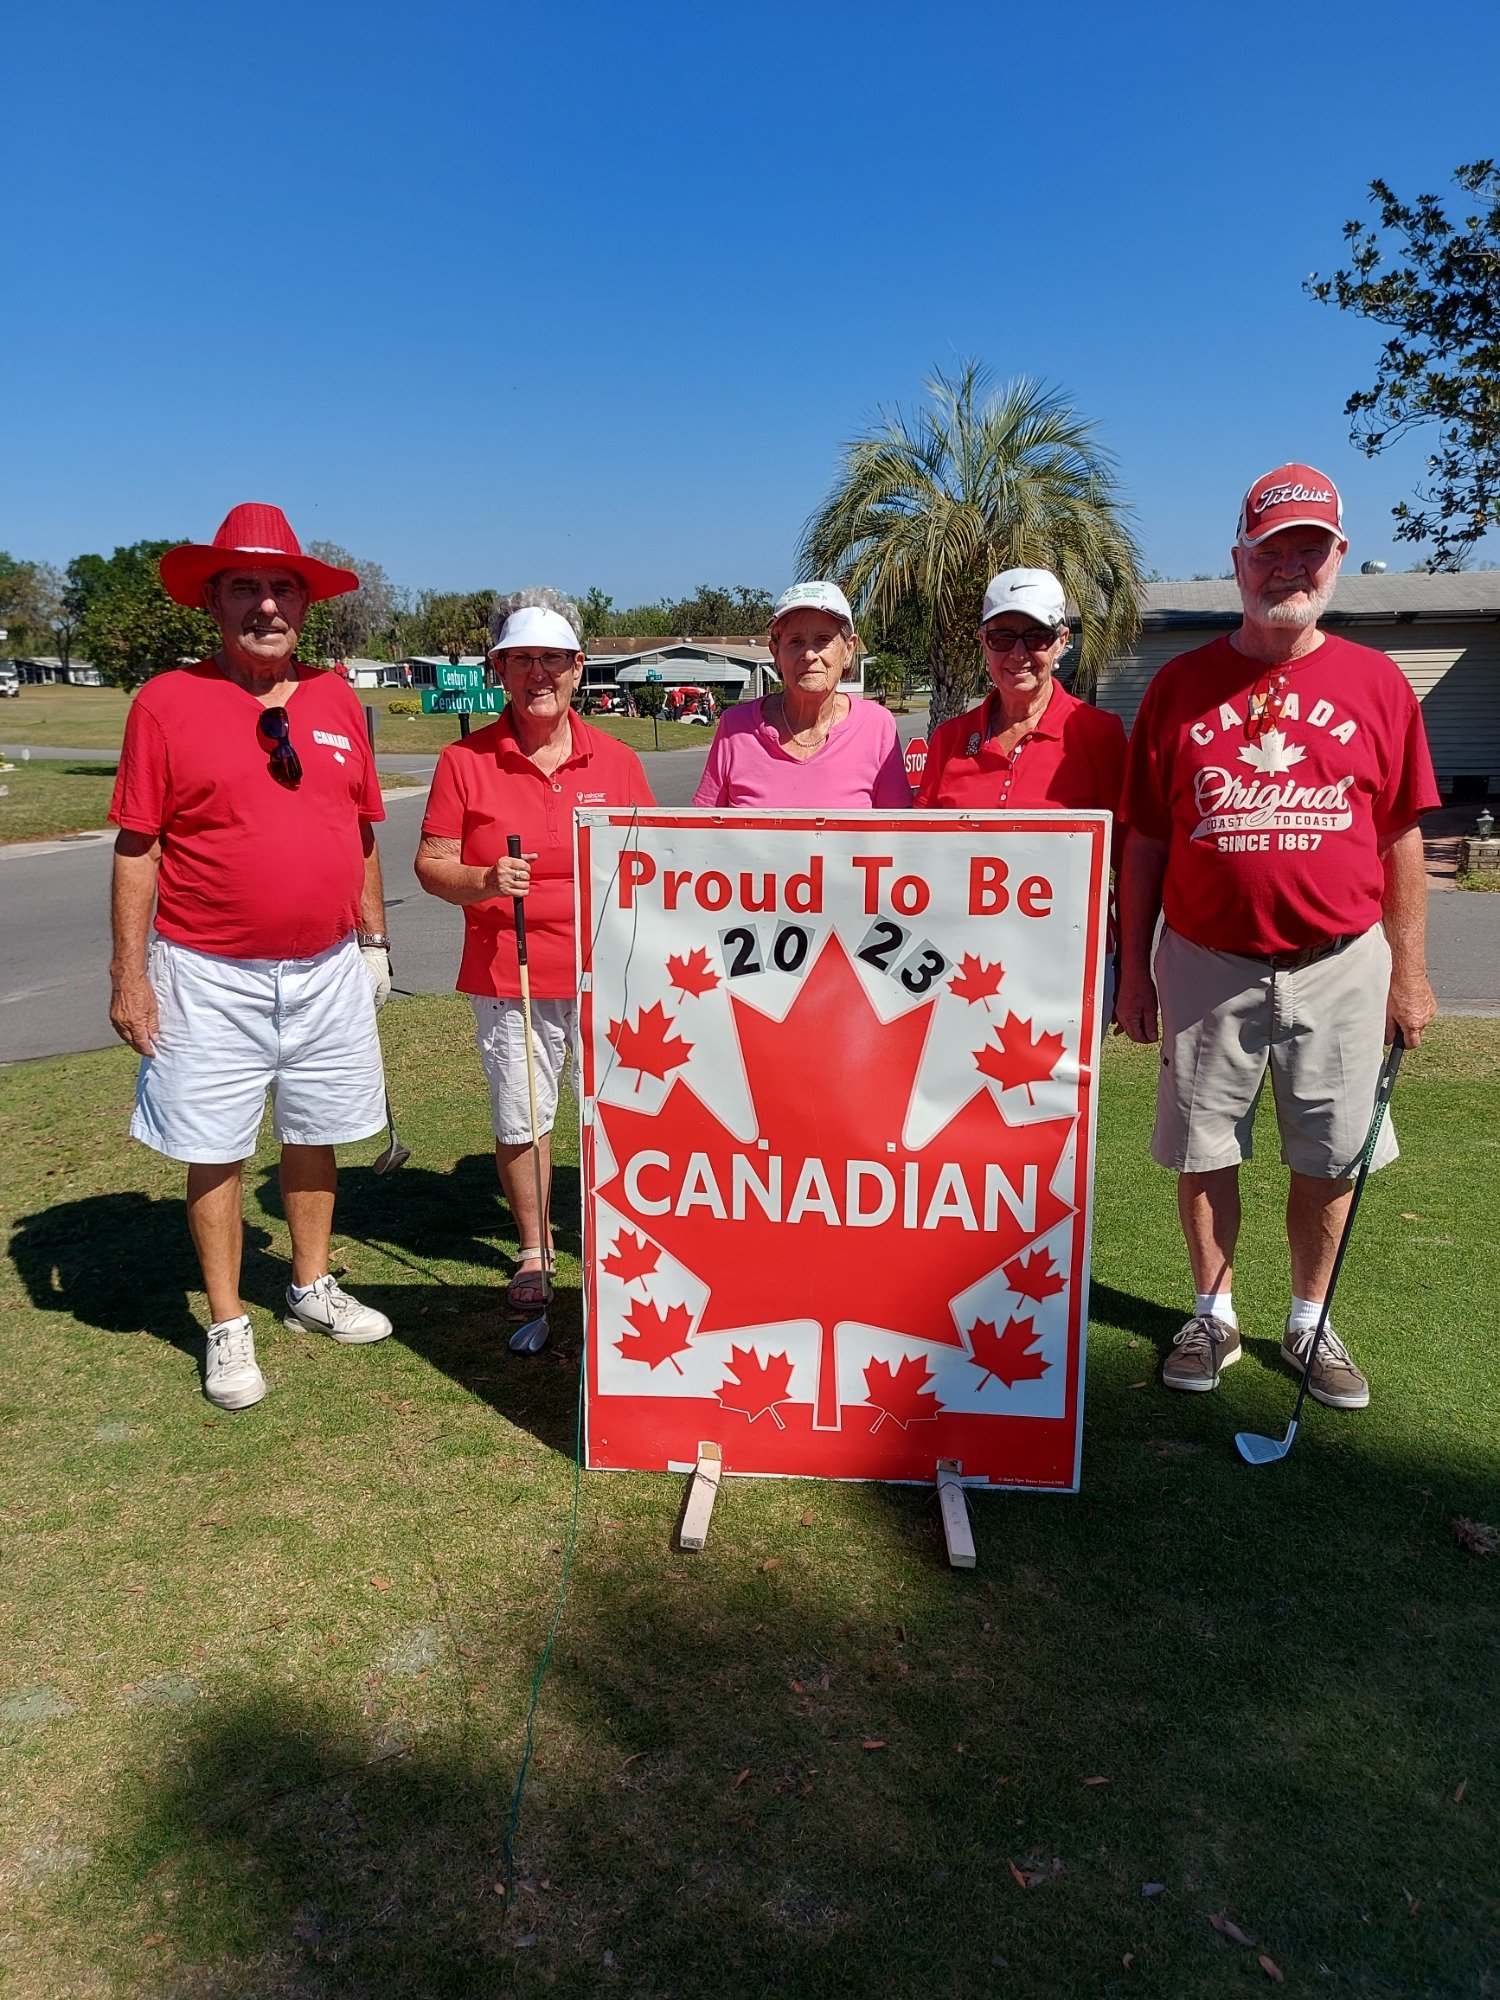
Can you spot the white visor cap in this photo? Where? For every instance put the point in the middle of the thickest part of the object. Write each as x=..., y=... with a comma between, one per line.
x=1036, y=592
x=534, y=625
x=813, y=597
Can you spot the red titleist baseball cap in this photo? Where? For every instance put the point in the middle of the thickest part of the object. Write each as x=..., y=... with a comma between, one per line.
x=1290, y=496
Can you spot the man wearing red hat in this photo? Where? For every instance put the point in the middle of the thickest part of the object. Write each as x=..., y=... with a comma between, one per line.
x=1273, y=789
x=245, y=799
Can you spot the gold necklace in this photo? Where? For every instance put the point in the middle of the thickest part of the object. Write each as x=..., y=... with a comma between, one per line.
x=802, y=742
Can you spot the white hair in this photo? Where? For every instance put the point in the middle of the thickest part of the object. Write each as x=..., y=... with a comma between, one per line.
x=540, y=598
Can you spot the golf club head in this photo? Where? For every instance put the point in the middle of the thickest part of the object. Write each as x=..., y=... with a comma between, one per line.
x=395, y=1155
x=531, y=1336
x=1258, y=1450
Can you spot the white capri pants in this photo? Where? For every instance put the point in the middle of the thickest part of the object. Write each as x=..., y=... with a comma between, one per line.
x=500, y=1030
x=233, y=1028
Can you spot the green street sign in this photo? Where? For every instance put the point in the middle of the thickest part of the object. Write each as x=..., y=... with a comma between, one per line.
x=460, y=677
x=463, y=701
x=653, y=673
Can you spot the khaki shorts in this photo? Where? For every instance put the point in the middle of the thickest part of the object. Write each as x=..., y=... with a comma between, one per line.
x=1226, y=1020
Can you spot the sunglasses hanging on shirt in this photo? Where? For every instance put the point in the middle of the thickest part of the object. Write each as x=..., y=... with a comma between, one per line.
x=286, y=765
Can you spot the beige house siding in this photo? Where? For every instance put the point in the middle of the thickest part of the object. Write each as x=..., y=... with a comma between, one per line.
x=1453, y=665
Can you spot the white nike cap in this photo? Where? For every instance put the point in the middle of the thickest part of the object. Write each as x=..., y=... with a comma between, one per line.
x=1036, y=592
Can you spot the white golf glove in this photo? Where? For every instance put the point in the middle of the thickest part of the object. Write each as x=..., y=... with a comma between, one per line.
x=377, y=960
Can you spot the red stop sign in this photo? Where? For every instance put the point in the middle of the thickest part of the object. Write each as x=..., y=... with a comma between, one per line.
x=916, y=760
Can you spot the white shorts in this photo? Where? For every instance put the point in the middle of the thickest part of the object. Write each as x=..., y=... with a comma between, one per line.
x=500, y=1030
x=233, y=1028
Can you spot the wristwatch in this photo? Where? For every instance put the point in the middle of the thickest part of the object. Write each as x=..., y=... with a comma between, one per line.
x=373, y=941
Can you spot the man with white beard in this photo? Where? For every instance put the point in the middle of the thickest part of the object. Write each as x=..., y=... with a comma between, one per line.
x=1273, y=789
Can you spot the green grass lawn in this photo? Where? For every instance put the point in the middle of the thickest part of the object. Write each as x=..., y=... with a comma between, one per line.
x=263, y=1678
x=76, y=718
x=44, y=800
x=94, y=719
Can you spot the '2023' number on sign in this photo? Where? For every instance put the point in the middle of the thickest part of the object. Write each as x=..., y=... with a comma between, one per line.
x=889, y=947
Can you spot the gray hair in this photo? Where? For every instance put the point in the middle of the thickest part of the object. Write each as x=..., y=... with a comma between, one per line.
x=543, y=599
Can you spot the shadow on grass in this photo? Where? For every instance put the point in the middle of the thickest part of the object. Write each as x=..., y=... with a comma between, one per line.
x=807, y=1777
x=123, y=1263
x=453, y=1216
x=1144, y=1318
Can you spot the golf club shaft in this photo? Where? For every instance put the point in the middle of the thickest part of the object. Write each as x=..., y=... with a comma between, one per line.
x=513, y=848
x=1383, y=1091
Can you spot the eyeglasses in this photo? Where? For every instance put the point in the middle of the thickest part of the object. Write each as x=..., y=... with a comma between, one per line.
x=1036, y=639
x=286, y=765
x=553, y=664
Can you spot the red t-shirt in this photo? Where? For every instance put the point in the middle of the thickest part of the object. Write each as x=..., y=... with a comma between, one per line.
x=1074, y=758
x=249, y=868
x=1276, y=845
x=486, y=787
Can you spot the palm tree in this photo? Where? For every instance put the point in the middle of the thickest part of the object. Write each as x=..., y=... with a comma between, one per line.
x=930, y=506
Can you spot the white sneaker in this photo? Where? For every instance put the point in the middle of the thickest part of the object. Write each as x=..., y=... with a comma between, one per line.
x=231, y=1379
x=326, y=1308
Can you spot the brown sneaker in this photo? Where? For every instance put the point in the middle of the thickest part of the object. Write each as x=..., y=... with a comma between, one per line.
x=1335, y=1380
x=1204, y=1347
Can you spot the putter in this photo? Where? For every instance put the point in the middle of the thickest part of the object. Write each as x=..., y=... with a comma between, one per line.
x=1252, y=1447
x=395, y=1154
x=531, y=1336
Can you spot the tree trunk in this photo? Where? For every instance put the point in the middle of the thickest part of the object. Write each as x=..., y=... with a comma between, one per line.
x=952, y=681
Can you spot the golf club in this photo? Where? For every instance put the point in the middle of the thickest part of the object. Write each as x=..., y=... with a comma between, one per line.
x=531, y=1337
x=1252, y=1447
x=395, y=1154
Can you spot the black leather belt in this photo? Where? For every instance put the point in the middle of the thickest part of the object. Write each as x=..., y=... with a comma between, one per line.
x=1293, y=961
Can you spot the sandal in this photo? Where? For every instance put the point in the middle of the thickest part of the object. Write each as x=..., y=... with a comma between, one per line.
x=529, y=1291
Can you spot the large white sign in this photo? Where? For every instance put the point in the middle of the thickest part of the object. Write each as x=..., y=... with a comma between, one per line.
x=838, y=1105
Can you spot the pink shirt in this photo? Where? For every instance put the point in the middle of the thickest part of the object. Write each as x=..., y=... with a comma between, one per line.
x=858, y=767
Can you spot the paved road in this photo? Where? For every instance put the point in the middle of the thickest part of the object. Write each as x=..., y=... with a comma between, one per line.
x=54, y=917
x=54, y=912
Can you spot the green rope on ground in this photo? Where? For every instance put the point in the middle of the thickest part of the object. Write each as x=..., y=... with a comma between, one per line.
x=528, y=1744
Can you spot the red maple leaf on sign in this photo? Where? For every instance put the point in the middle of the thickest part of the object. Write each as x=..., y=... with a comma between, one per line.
x=754, y=1387
x=1008, y=1356
x=974, y=979
x=901, y=1393
x=692, y=975
x=657, y=1335
x=1023, y=1057
x=652, y=1046
x=832, y=1211
x=630, y=1257
x=1033, y=1276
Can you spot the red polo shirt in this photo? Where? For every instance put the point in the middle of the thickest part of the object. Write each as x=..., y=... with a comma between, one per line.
x=249, y=868
x=1074, y=758
x=485, y=788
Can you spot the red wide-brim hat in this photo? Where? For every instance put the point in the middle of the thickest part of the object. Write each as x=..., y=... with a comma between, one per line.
x=251, y=536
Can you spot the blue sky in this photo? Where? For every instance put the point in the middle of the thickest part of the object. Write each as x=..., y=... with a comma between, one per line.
x=593, y=294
